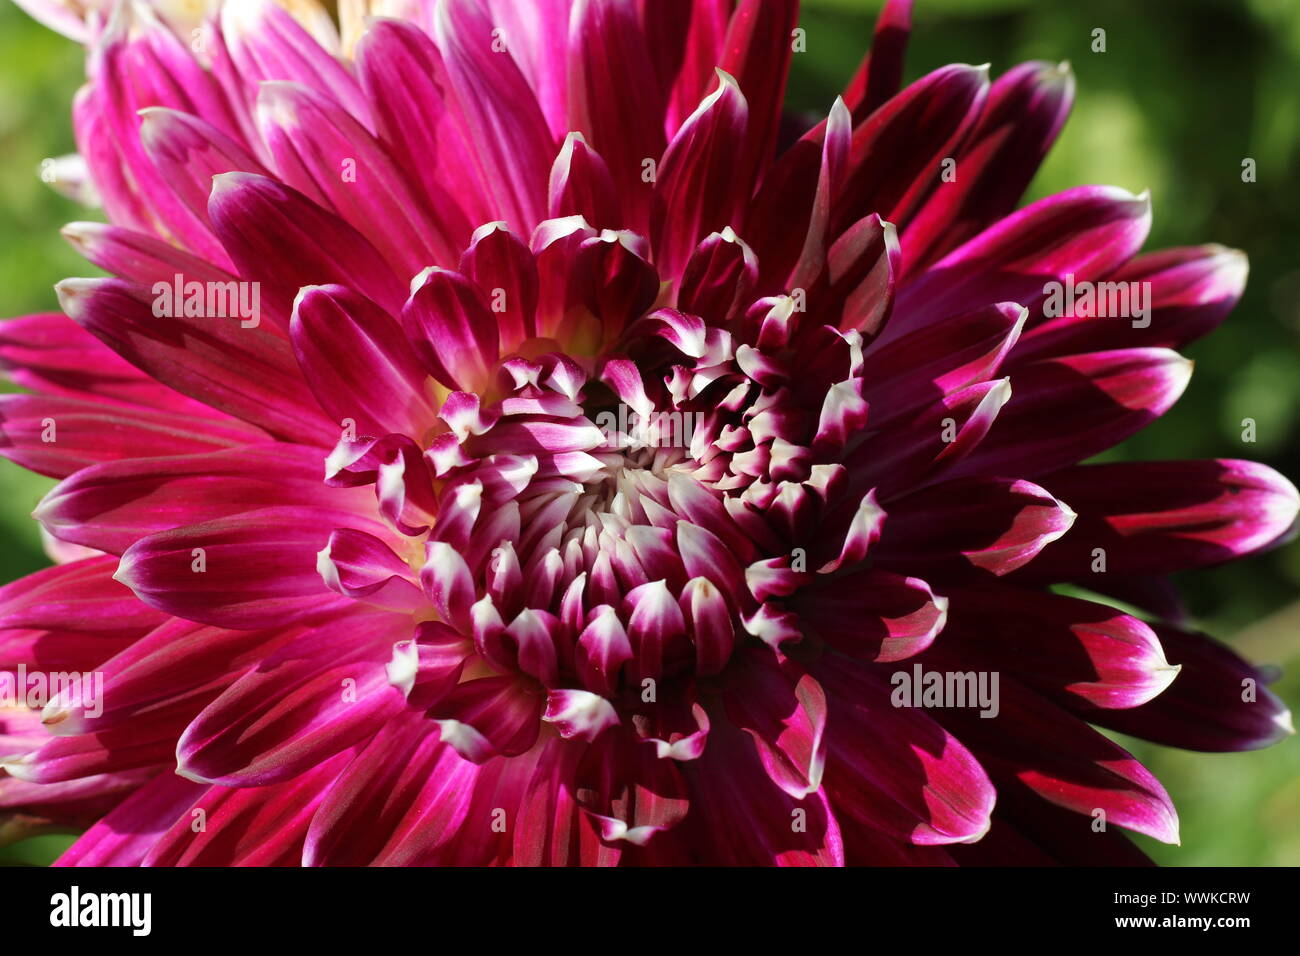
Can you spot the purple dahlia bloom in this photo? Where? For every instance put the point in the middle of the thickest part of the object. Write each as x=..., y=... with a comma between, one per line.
x=501, y=441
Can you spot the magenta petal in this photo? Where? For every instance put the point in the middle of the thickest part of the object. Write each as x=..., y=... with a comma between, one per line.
x=904, y=375
x=784, y=710
x=1084, y=232
x=82, y=595
x=497, y=259
x=994, y=525
x=248, y=826
x=1157, y=517
x=581, y=185
x=507, y=126
x=896, y=153
x=873, y=615
x=614, y=98
x=142, y=744
x=1029, y=831
x=489, y=716
x=265, y=42
x=830, y=181
x=50, y=353
x=323, y=152
x=407, y=792
x=740, y=817
x=359, y=364
x=279, y=237
x=706, y=23
x=881, y=73
x=915, y=779
x=579, y=714
x=133, y=52
x=1026, y=109
x=112, y=505
x=1218, y=702
x=87, y=433
x=630, y=793
x=303, y=703
x=537, y=37
x=757, y=51
x=451, y=328
x=1191, y=291
x=718, y=278
x=693, y=192
x=249, y=570
x=420, y=122
x=861, y=272
x=138, y=257
x=188, y=152
x=97, y=144
x=903, y=455
x=178, y=662
x=124, y=836
x=362, y=567
x=603, y=649
x=65, y=650
x=1062, y=759
x=1064, y=410
x=237, y=365
x=1075, y=652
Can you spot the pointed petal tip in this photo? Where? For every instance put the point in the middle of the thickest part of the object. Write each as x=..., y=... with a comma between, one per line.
x=124, y=566
x=226, y=182
x=18, y=766
x=72, y=294
x=983, y=830
x=1163, y=675
x=182, y=771
x=725, y=78
x=80, y=233
x=305, y=291
x=55, y=715
x=1070, y=516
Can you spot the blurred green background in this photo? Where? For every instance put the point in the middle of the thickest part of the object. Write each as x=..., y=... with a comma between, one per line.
x=1184, y=92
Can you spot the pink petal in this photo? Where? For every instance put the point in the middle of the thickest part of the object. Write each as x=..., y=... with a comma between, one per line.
x=301, y=704
x=992, y=524
x=507, y=126
x=358, y=363
x=249, y=570
x=451, y=328
x=694, y=194
x=1068, y=409
x=1084, y=232
x=873, y=614
x=245, y=370
x=1026, y=109
x=59, y=436
x=110, y=506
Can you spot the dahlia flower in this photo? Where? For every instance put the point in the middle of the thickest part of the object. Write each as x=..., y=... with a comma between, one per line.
x=579, y=455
